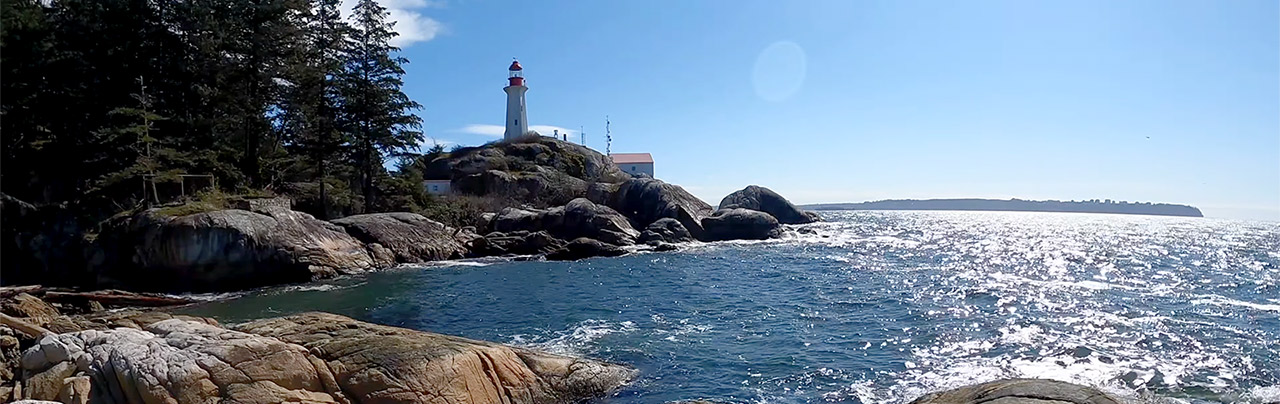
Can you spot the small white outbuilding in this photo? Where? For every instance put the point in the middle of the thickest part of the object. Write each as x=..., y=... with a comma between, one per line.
x=436, y=187
x=634, y=163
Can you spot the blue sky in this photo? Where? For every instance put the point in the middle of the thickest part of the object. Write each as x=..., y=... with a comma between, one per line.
x=1161, y=101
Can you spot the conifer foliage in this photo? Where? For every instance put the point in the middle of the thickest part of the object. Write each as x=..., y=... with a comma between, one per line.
x=105, y=104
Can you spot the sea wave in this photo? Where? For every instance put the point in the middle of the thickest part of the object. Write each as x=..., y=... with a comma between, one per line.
x=578, y=340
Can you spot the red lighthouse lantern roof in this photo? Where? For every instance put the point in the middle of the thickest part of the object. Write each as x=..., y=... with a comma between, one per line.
x=515, y=66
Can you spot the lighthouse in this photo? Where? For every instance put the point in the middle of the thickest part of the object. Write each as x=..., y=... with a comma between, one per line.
x=517, y=121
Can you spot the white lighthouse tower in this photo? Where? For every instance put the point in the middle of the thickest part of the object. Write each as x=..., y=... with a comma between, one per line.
x=517, y=121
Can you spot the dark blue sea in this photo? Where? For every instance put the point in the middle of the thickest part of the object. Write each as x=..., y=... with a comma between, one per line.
x=871, y=307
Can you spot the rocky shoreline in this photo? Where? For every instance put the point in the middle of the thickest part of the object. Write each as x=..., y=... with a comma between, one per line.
x=128, y=355
x=565, y=202
x=98, y=347
x=150, y=356
x=266, y=243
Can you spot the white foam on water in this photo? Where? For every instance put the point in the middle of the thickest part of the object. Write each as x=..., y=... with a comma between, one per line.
x=1264, y=394
x=577, y=340
x=1216, y=300
x=208, y=297
x=326, y=287
x=457, y=263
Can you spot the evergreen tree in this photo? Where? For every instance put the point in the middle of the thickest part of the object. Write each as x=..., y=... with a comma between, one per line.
x=376, y=113
x=256, y=93
x=313, y=103
x=135, y=134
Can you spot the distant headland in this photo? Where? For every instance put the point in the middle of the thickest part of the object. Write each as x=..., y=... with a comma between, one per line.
x=1019, y=205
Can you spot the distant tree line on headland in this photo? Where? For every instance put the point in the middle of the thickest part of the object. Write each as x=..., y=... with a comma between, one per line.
x=1019, y=205
x=108, y=105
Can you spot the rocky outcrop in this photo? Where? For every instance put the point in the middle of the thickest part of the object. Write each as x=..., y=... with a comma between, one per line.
x=582, y=218
x=127, y=318
x=540, y=185
x=535, y=169
x=223, y=250
x=583, y=247
x=665, y=230
x=179, y=361
x=515, y=242
x=374, y=363
x=579, y=218
x=306, y=358
x=765, y=200
x=516, y=219
x=740, y=224
x=411, y=237
x=526, y=155
x=1019, y=391
x=646, y=200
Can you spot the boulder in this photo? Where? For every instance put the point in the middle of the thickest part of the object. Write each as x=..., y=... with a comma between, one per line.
x=1019, y=391
x=375, y=363
x=579, y=218
x=740, y=224
x=665, y=230
x=410, y=237
x=646, y=200
x=516, y=242
x=223, y=250
x=582, y=218
x=516, y=219
x=583, y=247
x=765, y=200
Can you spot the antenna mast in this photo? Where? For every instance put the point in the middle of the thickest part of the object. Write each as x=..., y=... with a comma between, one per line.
x=608, y=138
x=582, y=132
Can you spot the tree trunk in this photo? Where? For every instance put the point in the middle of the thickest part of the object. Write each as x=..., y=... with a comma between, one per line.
x=324, y=198
x=368, y=177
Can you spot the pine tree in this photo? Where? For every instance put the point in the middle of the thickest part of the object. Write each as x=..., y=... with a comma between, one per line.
x=134, y=134
x=377, y=113
x=312, y=105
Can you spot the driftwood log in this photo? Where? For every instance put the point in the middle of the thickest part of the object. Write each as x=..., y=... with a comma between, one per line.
x=10, y=291
x=31, y=330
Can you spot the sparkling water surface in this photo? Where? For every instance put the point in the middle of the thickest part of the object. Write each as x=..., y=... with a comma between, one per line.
x=871, y=307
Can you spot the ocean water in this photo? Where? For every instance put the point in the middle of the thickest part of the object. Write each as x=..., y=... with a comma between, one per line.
x=871, y=307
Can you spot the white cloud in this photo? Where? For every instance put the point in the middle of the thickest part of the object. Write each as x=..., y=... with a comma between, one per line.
x=483, y=130
x=499, y=130
x=410, y=25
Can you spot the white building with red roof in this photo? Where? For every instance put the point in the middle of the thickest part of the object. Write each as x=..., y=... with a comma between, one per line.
x=634, y=163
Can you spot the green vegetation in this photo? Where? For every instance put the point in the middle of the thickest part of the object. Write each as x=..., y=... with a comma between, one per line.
x=464, y=210
x=114, y=105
